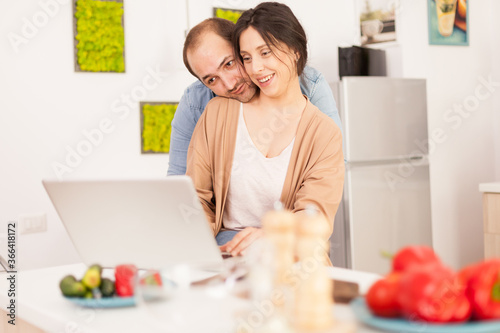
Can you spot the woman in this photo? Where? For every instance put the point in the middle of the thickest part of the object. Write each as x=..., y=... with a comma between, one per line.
x=244, y=157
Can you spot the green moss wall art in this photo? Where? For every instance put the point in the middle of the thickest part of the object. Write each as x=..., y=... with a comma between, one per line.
x=99, y=36
x=228, y=14
x=156, y=126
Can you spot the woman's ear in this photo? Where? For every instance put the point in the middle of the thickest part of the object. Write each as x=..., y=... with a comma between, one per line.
x=297, y=56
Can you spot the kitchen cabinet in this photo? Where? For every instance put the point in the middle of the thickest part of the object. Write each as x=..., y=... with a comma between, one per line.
x=491, y=218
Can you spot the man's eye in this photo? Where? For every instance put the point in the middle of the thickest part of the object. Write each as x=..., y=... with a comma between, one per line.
x=230, y=64
x=211, y=80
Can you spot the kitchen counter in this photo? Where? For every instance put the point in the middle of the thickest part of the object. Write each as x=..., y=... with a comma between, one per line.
x=489, y=187
x=40, y=307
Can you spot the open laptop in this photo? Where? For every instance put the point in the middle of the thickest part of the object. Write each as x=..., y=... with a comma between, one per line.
x=152, y=223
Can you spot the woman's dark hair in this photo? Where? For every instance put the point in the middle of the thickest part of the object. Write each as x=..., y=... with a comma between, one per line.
x=275, y=23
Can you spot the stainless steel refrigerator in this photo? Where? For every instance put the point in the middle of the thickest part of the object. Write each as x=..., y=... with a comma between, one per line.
x=386, y=203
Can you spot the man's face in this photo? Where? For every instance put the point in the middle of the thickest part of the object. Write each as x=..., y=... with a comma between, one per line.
x=214, y=64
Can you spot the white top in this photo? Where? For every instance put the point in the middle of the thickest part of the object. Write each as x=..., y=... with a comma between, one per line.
x=489, y=187
x=256, y=181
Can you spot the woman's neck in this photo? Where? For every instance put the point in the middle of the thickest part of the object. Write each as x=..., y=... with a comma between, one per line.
x=290, y=102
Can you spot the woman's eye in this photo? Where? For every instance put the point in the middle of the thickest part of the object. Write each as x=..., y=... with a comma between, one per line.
x=246, y=59
x=264, y=53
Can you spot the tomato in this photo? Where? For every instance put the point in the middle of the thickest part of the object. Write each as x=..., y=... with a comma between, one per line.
x=382, y=296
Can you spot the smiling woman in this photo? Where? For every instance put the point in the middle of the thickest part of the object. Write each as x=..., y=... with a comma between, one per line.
x=265, y=64
x=243, y=157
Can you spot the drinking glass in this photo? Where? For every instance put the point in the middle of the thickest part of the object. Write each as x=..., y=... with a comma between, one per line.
x=446, y=10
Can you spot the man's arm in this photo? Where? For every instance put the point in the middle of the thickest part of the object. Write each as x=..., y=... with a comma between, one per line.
x=189, y=110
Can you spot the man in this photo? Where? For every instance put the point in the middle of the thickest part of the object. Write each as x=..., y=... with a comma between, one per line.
x=208, y=55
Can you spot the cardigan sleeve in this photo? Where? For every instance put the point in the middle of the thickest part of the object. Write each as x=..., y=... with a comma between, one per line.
x=323, y=179
x=199, y=169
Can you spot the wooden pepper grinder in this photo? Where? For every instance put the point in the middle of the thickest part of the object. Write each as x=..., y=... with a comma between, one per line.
x=279, y=229
x=313, y=308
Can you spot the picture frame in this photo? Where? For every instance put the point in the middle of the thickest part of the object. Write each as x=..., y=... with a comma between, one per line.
x=452, y=28
x=107, y=56
x=377, y=21
x=156, y=126
x=227, y=13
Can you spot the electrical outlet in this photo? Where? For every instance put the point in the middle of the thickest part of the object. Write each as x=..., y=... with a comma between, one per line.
x=33, y=223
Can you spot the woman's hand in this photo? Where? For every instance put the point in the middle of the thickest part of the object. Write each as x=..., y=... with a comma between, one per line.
x=241, y=241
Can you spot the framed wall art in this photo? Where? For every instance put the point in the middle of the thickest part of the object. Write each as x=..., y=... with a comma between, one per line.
x=156, y=126
x=99, y=38
x=228, y=14
x=377, y=19
x=448, y=22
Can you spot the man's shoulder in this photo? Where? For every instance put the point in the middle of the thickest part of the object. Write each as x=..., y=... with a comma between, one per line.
x=309, y=80
x=311, y=74
x=198, y=94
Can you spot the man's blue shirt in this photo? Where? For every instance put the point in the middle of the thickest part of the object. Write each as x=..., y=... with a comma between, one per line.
x=197, y=96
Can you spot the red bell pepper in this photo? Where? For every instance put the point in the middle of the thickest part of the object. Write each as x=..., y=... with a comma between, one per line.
x=382, y=296
x=124, y=280
x=411, y=256
x=466, y=273
x=483, y=290
x=432, y=293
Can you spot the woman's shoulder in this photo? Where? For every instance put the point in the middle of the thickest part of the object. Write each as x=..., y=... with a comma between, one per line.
x=219, y=110
x=320, y=122
x=221, y=104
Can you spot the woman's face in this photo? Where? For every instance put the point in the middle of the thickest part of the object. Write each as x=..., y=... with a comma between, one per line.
x=271, y=69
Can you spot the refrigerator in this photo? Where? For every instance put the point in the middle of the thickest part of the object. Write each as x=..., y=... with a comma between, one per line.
x=386, y=201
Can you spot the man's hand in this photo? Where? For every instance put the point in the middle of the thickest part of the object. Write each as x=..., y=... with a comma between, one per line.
x=241, y=241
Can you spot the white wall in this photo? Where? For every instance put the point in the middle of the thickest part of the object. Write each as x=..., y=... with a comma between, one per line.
x=465, y=157
x=495, y=55
x=45, y=106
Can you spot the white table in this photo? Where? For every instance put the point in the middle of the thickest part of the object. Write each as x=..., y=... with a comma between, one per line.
x=40, y=307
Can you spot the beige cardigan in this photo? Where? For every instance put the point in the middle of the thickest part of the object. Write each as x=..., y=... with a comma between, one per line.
x=315, y=173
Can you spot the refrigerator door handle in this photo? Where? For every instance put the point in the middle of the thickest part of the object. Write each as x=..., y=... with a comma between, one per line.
x=411, y=159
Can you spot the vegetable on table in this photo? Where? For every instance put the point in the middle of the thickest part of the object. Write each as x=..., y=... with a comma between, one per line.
x=107, y=287
x=124, y=280
x=433, y=294
x=153, y=279
x=382, y=296
x=414, y=256
x=483, y=289
x=70, y=287
x=92, y=277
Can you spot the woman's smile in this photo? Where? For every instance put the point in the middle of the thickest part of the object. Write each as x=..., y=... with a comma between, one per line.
x=265, y=80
